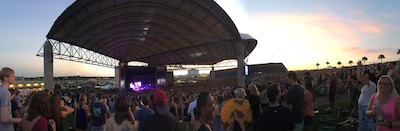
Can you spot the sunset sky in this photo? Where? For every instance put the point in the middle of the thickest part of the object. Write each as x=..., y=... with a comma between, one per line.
x=297, y=33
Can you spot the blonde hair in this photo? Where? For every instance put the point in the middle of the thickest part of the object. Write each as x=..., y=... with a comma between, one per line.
x=105, y=101
x=393, y=92
x=81, y=100
x=253, y=89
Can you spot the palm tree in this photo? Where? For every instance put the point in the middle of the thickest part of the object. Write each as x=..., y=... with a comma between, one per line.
x=327, y=64
x=381, y=56
x=350, y=62
x=364, y=59
x=339, y=63
x=317, y=65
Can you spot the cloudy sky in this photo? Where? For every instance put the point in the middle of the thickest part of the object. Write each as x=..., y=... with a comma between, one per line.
x=297, y=33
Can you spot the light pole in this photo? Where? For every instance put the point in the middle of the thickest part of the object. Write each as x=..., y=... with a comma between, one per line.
x=77, y=80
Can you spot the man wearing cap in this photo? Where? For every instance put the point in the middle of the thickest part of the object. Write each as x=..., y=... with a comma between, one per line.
x=162, y=120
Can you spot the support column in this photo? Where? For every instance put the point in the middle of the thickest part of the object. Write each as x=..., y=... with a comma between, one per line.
x=48, y=66
x=122, y=75
x=240, y=75
x=117, y=76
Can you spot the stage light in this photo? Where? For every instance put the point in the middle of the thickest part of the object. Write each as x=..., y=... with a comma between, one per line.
x=131, y=85
x=123, y=83
x=139, y=84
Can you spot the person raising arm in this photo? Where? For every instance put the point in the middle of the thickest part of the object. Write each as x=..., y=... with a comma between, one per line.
x=364, y=79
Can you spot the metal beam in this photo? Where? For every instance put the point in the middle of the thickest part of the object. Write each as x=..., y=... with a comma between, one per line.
x=139, y=34
x=66, y=51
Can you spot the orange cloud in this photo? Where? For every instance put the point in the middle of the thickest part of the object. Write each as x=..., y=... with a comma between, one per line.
x=311, y=29
x=357, y=50
x=370, y=28
x=361, y=51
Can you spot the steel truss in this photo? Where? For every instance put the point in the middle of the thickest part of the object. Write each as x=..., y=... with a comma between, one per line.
x=142, y=33
x=66, y=51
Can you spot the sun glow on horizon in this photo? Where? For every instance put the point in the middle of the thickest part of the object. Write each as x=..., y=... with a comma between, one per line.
x=302, y=40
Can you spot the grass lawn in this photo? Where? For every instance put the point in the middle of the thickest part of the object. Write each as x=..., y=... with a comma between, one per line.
x=68, y=123
x=343, y=106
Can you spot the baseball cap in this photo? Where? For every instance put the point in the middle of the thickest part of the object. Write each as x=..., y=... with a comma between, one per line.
x=161, y=102
x=240, y=92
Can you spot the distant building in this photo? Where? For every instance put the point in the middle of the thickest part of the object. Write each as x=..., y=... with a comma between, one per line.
x=253, y=70
x=192, y=73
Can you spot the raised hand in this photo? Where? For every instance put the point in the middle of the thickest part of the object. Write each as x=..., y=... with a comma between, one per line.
x=52, y=124
x=359, y=63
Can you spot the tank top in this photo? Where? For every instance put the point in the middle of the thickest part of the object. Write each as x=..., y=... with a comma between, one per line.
x=185, y=114
x=172, y=110
x=40, y=125
x=204, y=128
x=218, y=113
x=179, y=109
x=81, y=115
x=389, y=113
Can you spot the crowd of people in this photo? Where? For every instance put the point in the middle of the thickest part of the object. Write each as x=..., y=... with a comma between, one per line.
x=281, y=102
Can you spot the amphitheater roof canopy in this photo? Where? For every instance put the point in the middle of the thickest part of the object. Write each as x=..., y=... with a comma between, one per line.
x=158, y=32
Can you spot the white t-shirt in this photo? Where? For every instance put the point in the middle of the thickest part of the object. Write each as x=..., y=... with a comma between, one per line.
x=192, y=105
x=126, y=125
x=366, y=93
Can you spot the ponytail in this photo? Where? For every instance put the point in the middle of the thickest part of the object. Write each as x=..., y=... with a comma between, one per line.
x=201, y=102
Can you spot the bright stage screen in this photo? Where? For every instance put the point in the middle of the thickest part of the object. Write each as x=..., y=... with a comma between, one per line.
x=135, y=85
x=161, y=81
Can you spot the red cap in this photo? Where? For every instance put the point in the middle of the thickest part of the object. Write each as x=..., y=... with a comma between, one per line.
x=160, y=98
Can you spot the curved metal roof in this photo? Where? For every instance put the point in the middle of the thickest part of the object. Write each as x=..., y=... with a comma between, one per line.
x=158, y=32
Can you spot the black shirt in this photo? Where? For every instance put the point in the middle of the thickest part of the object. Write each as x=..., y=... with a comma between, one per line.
x=204, y=128
x=275, y=119
x=295, y=97
x=14, y=107
x=158, y=122
x=255, y=106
